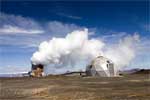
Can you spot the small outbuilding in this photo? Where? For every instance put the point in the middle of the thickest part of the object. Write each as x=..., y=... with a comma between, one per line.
x=102, y=67
x=37, y=70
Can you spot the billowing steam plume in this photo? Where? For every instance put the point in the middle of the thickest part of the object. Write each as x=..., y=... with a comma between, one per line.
x=123, y=52
x=75, y=51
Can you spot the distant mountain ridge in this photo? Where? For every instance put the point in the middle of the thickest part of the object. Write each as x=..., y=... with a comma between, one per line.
x=21, y=74
x=143, y=71
x=135, y=71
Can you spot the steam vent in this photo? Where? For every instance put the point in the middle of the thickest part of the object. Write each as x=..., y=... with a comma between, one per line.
x=101, y=67
x=37, y=70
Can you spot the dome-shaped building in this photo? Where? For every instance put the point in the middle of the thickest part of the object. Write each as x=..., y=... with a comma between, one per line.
x=102, y=67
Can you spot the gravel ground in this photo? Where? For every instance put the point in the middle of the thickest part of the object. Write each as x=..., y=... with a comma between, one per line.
x=129, y=87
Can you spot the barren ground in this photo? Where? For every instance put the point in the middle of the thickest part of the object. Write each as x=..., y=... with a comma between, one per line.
x=135, y=87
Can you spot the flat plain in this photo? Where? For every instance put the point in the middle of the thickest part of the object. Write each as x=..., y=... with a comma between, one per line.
x=128, y=87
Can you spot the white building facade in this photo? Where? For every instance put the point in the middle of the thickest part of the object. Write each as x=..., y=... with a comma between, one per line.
x=102, y=67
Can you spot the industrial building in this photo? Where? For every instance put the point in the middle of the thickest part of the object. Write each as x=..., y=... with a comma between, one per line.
x=37, y=70
x=102, y=67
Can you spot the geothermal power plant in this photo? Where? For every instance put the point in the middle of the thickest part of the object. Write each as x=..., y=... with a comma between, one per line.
x=100, y=66
x=77, y=52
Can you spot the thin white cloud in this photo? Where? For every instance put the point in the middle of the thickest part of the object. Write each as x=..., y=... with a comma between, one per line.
x=8, y=29
x=21, y=28
x=68, y=16
x=51, y=29
x=61, y=29
x=23, y=41
x=10, y=23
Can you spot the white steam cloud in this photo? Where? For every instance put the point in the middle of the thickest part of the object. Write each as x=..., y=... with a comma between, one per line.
x=76, y=50
x=123, y=52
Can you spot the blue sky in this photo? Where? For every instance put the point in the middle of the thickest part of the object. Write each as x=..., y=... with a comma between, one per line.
x=24, y=25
